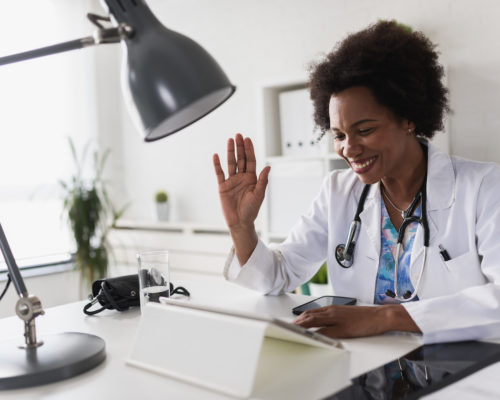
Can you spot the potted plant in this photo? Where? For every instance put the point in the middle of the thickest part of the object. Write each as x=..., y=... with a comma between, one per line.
x=90, y=215
x=162, y=209
x=318, y=285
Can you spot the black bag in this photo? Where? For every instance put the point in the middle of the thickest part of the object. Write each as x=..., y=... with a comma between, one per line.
x=120, y=293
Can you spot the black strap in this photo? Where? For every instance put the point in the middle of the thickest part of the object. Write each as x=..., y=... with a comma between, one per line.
x=87, y=306
x=6, y=286
x=105, y=296
x=181, y=290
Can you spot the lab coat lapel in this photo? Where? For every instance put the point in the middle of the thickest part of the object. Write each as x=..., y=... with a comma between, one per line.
x=370, y=221
x=440, y=195
x=417, y=251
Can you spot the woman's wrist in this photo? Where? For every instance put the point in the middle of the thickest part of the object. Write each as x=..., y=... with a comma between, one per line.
x=396, y=318
x=245, y=240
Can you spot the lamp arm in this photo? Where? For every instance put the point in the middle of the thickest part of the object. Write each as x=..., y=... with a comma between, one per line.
x=14, y=273
x=101, y=36
x=27, y=307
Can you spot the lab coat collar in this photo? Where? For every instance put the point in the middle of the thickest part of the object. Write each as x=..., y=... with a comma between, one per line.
x=370, y=217
x=440, y=180
x=440, y=195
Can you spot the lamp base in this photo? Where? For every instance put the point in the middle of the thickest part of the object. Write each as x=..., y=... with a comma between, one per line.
x=62, y=356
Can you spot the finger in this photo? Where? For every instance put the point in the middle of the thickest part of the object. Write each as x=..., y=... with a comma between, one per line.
x=316, y=310
x=313, y=312
x=250, y=156
x=316, y=319
x=313, y=321
x=219, y=172
x=231, y=159
x=240, y=152
x=260, y=187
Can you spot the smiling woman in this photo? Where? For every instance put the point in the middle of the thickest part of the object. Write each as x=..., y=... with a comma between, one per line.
x=42, y=102
x=403, y=205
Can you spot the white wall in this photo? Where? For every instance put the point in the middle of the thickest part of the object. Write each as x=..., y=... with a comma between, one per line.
x=258, y=41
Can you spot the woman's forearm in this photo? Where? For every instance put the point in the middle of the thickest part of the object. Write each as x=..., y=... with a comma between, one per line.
x=244, y=240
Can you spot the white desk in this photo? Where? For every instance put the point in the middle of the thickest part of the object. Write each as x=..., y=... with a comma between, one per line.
x=113, y=379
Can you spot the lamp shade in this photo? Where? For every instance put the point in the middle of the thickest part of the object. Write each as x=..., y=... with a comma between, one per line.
x=169, y=81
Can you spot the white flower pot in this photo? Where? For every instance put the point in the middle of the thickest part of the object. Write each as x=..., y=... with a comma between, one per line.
x=162, y=211
x=318, y=290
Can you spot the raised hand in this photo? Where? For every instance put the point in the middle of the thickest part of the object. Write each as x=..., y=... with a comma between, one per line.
x=241, y=194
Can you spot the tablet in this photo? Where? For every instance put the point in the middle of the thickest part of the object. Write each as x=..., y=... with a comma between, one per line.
x=277, y=329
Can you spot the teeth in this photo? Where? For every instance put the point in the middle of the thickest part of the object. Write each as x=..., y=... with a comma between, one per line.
x=363, y=165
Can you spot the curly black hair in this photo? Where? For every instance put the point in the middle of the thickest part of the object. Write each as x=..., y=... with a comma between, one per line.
x=398, y=65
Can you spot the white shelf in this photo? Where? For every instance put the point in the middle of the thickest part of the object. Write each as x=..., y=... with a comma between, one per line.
x=333, y=156
x=297, y=177
x=292, y=159
x=166, y=226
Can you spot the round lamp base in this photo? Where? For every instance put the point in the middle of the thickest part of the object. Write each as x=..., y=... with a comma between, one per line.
x=61, y=356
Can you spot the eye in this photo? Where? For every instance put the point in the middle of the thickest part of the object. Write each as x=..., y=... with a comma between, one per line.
x=338, y=136
x=366, y=131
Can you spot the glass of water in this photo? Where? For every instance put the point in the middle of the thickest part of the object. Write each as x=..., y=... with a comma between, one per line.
x=154, y=279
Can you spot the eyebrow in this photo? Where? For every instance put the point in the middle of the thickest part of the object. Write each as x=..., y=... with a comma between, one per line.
x=355, y=124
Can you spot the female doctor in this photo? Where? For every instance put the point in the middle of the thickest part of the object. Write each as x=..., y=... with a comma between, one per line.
x=425, y=242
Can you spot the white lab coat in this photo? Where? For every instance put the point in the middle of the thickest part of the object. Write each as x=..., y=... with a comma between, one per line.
x=459, y=299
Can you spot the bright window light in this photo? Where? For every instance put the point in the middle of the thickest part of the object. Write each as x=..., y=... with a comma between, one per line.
x=42, y=102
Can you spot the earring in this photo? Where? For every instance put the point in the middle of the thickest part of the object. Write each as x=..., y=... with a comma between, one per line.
x=410, y=132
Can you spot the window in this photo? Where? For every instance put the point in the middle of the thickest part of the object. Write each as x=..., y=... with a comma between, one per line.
x=42, y=102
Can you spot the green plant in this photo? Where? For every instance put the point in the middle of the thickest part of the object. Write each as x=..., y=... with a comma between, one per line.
x=321, y=275
x=90, y=215
x=161, y=196
x=405, y=27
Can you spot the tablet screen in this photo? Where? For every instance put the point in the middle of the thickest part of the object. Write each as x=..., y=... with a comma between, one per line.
x=422, y=371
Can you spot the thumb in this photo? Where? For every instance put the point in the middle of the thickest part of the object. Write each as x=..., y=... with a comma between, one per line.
x=260, y=187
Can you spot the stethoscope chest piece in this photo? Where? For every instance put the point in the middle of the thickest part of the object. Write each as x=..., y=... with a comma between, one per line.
x=345, y=259
x=344, y=253
x=340, y=256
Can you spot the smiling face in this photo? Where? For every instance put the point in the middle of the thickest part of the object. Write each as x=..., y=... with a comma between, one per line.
x=375, y=143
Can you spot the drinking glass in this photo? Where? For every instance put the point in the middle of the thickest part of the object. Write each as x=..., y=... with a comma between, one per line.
x=154, y=279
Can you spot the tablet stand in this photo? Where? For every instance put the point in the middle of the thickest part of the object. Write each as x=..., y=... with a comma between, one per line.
x=230, y=354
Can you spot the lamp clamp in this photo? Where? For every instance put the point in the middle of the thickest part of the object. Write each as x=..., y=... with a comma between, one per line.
x=104, y=35
x=28, y=308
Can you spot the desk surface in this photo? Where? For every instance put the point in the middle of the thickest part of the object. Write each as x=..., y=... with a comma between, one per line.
x=114, y=379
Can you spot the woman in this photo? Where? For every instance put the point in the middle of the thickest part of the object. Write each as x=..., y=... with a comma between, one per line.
x=379, y=93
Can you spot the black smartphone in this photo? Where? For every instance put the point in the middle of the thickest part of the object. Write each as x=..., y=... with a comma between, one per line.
x=323, y=302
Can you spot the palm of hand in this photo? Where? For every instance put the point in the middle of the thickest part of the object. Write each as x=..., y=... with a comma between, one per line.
x=242, y=192
x=240, y=202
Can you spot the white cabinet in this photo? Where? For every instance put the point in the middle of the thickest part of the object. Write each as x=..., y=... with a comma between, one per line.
x=195, y=250
x=290, y=146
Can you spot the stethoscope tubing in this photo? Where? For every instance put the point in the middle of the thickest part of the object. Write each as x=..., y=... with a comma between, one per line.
x=344, y=253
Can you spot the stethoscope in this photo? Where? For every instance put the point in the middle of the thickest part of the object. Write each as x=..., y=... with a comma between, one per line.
x=344, y=253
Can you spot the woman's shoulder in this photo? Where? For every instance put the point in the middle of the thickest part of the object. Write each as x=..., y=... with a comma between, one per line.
x=460, y=167
x=464, y=167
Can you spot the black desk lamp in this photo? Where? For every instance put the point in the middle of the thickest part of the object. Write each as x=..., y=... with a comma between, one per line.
x=170, y=82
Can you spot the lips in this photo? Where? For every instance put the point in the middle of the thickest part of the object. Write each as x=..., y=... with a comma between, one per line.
x=362, y=166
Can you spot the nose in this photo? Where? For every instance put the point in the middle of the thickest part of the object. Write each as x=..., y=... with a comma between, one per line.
x=352, y=147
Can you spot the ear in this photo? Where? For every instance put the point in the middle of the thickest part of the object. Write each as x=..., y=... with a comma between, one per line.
x=410, y=126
